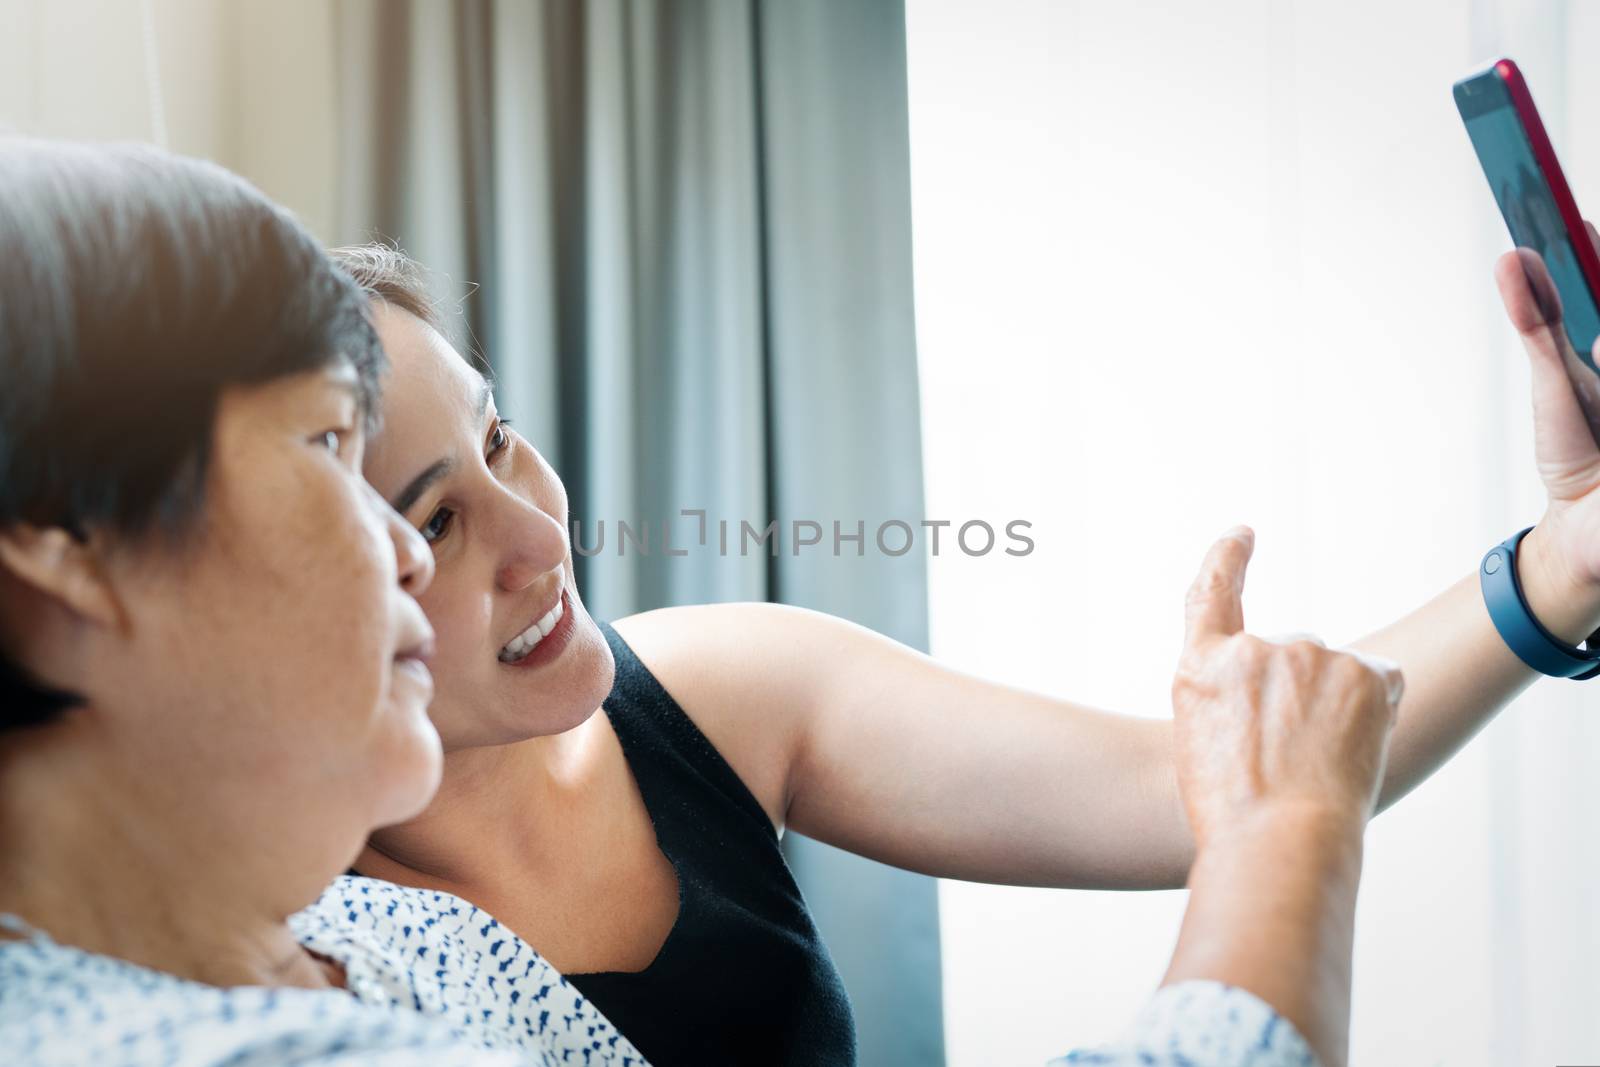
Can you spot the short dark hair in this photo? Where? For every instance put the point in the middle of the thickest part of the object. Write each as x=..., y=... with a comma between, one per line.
x=135, y=286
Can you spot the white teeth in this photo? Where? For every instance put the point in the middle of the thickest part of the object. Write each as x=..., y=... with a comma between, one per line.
x=524, y=642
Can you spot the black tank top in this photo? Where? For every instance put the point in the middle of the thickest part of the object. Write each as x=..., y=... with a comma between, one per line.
x=743, y=977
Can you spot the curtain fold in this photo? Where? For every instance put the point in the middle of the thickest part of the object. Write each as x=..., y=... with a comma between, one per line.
x=845, y=433
x=689, y=228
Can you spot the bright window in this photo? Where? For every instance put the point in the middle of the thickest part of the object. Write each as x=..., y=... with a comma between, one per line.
x=1184, y=265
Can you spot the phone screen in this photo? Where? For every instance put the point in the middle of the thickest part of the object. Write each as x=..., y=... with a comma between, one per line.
x=1525, y=200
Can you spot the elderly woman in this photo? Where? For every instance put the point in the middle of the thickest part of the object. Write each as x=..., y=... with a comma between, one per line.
x=212, y=668
x=638, y=848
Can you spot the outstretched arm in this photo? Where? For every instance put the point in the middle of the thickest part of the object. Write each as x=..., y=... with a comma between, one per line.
x=859, y=741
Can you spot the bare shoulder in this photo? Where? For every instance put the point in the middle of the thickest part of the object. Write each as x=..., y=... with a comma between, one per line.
x=749, y=674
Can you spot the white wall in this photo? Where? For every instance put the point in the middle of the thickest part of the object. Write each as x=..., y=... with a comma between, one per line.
x=1181, y=266
x=246, y=83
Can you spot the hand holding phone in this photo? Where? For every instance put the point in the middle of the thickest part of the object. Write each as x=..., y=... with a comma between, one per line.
x=1549, y=286
x=1528, y=184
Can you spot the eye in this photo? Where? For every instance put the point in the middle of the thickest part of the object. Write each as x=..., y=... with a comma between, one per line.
x=498, y=438
x=331, y=439
x=437, y=526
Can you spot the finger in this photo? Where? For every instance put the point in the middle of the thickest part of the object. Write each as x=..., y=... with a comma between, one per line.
x=1394, y=680
x=1587, y=385
x=1587, y=381
x=1563, y=438
x=1530, y=294
x=1214, y=606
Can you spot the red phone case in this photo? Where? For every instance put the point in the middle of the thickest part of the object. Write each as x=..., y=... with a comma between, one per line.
x=1545, y=154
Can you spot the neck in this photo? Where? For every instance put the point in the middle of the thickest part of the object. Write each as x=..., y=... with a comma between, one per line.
x=485, y=822
x=131, y=866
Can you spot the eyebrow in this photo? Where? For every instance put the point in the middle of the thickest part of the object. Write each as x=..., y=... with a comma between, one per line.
x=439, y=468
x=421, y=483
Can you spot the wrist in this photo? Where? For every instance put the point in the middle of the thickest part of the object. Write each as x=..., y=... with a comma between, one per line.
x=1564, y=602
x=1272, y=911
x=1308, y=835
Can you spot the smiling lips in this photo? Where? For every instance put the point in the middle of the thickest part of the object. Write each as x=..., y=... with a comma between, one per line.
x=525, y=642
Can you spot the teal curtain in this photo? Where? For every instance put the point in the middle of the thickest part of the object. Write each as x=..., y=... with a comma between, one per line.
x=686, y=232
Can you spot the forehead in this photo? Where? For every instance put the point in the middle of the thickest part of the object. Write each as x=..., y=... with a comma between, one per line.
x=432, y=401
x=244, y=409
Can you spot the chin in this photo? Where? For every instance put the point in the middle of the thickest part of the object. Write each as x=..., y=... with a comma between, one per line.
x=570, y=722
x=555, y=706
x=411, y=774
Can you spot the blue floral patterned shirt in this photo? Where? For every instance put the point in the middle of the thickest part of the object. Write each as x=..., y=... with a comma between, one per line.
x=431, y=981
x=1202, y=1024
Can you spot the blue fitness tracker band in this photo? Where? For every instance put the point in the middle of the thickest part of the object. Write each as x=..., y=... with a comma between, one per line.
x=1508, y=608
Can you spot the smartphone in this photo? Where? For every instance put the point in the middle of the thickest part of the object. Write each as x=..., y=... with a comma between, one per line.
x=1532, y=192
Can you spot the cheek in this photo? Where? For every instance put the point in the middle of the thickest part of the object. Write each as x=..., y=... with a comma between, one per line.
x=554, y=496
x=465, y=643
x=273, y=641
x=336, y=603
x=460, y=618
x=539, y=483
x=327, y=558
x=346, y=560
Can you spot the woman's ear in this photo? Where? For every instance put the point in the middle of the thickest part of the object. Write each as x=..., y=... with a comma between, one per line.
x=61, y=567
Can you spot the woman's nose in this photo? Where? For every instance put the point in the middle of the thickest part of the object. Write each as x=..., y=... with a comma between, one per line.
x=533, y=544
